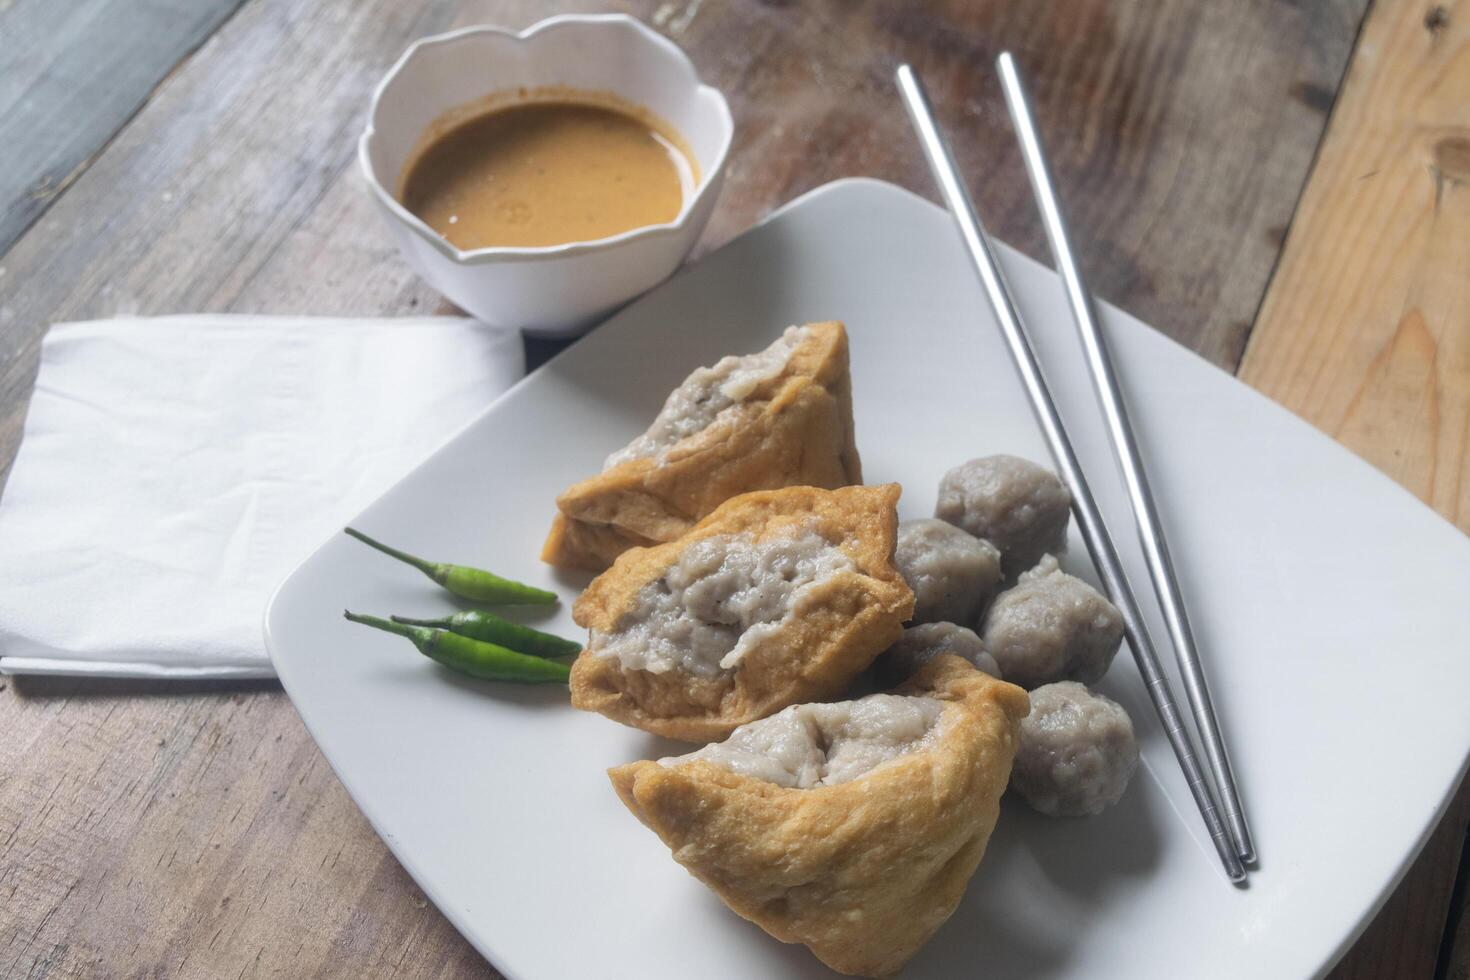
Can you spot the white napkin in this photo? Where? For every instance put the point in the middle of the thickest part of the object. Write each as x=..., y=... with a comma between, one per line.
x=174, y=470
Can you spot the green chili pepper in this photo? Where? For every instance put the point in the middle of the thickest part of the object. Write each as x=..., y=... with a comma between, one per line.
x=480, y=625
x=467, y=582
x=474, y=657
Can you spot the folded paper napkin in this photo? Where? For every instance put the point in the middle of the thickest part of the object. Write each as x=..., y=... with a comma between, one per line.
x=173, y=470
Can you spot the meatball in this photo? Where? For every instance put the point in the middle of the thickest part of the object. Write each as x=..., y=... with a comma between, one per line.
x=953, y=574
x=1019, y=507
x=1076, y=752
x=1051, y=626
x=919, y=643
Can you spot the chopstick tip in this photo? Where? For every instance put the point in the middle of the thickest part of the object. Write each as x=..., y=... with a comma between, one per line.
x=1234, y=869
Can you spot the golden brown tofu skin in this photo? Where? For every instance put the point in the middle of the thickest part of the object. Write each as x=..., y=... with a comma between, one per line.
x=793, y=429
x=863, y=873
x=840, y=623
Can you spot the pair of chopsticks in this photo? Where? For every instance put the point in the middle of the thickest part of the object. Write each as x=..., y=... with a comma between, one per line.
x=1231, y=835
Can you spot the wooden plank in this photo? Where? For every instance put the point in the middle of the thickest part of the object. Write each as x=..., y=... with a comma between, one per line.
x=1181, y=133
x=194, y=831
x=1365, y=332
x=176, y=830
x=1454, y=961
x=71, y=74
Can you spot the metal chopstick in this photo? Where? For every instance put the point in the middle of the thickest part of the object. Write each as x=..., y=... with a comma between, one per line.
x=1089, y=519
x=1125, y=448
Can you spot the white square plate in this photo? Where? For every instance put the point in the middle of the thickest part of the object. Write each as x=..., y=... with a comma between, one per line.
x=1331, y=607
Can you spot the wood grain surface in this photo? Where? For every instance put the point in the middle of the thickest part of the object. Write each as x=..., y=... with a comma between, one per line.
x=1365, y=332
x=1454, y=951
x=70, y=75
x=1366, y=328
x=1181, y=132
x=195, y=831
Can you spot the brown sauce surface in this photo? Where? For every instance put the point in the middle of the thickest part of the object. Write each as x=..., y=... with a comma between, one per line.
x=545, y=173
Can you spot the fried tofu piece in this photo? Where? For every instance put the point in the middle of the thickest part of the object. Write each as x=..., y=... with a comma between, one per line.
x=777, y=418
x=857, y=836
x=777, y=597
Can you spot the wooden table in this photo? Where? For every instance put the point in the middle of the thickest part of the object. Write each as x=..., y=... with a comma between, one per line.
x=1280, y=186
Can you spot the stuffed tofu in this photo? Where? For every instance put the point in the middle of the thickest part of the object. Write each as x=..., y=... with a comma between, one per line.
x=853, y=827
x=777, y=418
x=778, y=597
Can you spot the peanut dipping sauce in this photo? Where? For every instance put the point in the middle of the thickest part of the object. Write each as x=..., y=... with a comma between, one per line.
x=547, y=171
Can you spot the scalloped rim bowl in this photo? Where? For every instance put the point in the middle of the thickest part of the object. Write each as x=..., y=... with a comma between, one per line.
x=557, y=290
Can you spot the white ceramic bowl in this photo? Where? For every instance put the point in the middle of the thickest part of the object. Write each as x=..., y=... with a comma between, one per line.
x=563, y=289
